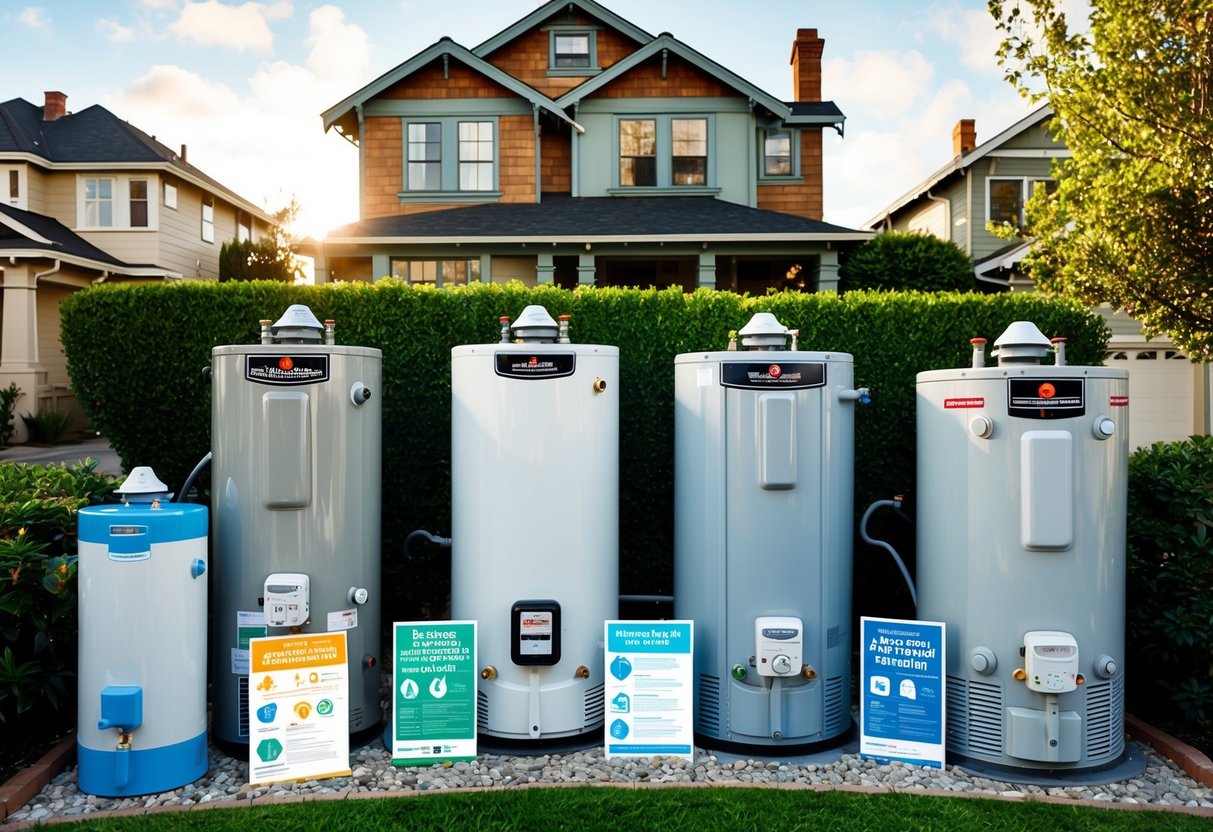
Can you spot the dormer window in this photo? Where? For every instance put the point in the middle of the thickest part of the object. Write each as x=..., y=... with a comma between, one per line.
x=572, y=52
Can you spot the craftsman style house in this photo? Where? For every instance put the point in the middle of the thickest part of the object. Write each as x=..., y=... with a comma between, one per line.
x=84, y=198
x=575, y=148
x=1171, y=398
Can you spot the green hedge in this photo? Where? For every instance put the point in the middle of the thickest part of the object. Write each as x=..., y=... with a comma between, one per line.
x=136, y=354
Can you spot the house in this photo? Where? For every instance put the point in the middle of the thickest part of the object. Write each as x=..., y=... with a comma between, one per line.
x=1171, y=397
x=575, y=148
x=85, y=198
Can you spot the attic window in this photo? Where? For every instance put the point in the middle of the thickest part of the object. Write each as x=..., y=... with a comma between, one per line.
x=572, y=52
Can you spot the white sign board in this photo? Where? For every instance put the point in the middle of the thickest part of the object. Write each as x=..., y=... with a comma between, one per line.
x=649, y=689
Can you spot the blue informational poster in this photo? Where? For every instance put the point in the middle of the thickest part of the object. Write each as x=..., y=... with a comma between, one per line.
x=649, y=680
x=902, y=692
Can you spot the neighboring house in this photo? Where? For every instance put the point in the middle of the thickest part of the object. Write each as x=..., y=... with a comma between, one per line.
x=84, y=198
x=1169, y=396
x=575, y=148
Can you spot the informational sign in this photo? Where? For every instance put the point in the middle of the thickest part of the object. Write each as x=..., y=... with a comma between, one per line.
x=299, y=723
x=902, y=703
x=434, y=704
x=649, y=689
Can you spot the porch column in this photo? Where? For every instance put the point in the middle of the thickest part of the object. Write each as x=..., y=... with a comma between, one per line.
x=545, y=269
x=827, y=271
x=586, y=271
x=707, y=270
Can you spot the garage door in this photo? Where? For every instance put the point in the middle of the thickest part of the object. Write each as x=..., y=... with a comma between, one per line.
x=1161, y=394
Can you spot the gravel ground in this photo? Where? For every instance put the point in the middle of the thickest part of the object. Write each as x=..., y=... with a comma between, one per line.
x=1161, y=783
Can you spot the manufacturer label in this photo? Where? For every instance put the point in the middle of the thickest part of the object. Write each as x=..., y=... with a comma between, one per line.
x=1046, y=398
x=287, y=370
x=970, y=402
x=772, y=374
x=528, y=366
x=1118, y=401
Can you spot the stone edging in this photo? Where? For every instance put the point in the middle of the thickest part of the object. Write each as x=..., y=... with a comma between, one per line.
x=26, y=784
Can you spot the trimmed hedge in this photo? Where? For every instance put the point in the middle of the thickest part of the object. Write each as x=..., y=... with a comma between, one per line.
x=136, y=354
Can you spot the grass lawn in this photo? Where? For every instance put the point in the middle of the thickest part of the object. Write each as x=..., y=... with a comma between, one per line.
x=582, y=809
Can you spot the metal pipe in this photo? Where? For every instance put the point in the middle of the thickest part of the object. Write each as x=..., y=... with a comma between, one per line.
x=863, y=532
x=202, y=463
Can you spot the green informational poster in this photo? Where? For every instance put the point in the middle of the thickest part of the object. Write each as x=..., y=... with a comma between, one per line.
x=434, y=703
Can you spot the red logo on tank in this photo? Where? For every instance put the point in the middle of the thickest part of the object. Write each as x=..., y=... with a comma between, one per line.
x=286, y=364
x=1047, y=390
x=775, y=371
x=534, y=362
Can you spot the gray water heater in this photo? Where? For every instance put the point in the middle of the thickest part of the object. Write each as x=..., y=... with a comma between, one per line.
x=297, y=444
x=535, y=522
x=763, y=484
x=1022, y=484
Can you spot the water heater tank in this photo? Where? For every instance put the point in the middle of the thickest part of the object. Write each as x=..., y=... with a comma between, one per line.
x=142, y=579
x=763, y=483
x=296, y=440
x=535, y=522
x=1022, y=484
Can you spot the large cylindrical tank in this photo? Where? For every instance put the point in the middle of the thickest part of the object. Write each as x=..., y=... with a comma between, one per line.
x=297, y=446
x=141, y=725
x=1022, y=484
x=535, y=523
x=763, y=483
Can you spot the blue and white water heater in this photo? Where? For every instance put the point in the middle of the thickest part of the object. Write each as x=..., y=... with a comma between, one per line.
x=142, y=673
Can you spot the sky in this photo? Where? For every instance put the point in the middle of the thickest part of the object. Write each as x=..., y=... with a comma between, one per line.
x=243, y=84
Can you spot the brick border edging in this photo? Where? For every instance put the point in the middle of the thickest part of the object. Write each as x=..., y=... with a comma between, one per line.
x=26, y=784
x=1193, y=762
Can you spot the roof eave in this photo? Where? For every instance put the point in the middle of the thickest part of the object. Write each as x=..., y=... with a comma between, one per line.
x=547, y=10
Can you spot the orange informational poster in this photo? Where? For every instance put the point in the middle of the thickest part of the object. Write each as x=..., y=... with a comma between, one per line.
x=298, y=707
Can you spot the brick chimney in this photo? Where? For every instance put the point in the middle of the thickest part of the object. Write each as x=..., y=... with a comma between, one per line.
x=806, y=65
x=55, y=107
x=964, y=136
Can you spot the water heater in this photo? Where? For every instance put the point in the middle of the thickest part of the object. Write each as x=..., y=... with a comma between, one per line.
x=1022, y=488
x=763, y=483
x=296, y=443
x=535, y=522
x=141, y=725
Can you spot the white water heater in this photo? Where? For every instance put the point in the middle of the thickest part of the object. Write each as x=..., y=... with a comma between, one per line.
x=296, y=438
x=763, y=484
x=141, y=725
x=535, y=522
x=1022, y=489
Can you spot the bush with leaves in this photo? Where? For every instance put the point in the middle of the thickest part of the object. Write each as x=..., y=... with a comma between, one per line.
x=1170, y=572
x=38, y=621
x=8, y=405
x=896, y=260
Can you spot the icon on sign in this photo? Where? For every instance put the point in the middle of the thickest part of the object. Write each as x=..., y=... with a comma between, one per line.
x=325, y=707
x=438, y=687
x=908, y=690
x=621, y=704
x=879, y=685
x=621, y=668
x=619, y=729
x=266, y=713
x=268, y=750
x=409, y=689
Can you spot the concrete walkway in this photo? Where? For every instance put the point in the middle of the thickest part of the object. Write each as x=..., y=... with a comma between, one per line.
x=68, y=453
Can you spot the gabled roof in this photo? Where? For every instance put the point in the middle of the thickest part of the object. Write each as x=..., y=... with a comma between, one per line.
x=340, y=114
x=26, y=234
x=95, y=136
x=561, y=218
x=960, y=163
x=551, y=9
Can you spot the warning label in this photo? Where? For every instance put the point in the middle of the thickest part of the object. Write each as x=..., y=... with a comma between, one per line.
x=1045, y=398
x=972, y=401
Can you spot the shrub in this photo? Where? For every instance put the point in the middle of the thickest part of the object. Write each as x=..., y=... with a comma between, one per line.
x=156, y=410
x=48, y=426
x=38, y=631
x=1170, y=572
x=8, y=403
x=899, y=261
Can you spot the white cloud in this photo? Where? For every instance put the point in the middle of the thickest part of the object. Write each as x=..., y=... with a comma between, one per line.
x=115, y=32
x=243, y=28
x=887, y=83
x=35, y=17
x=972, y=30
x=336, y=49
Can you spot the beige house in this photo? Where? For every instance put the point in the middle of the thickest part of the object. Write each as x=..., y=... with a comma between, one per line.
x=85, y=198
x=1170, y=397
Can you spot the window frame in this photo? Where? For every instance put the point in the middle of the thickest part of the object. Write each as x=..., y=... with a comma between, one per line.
x=207, y=230
x=120, y=203
x=146, y=201
x=664, y=176
x=401, y=267
x=590, y=68
x=1027, y=184
x=450, y=162
x=170, y=195
x=793, y=155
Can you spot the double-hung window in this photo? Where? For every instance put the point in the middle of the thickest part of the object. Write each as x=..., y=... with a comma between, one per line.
x=458, y=272
x=98, y=203
x=1007, y=196
x=116, y=202
x=450, y=158
x=572, y=51
x=208, y=220
x=138, y=203
x=777, y=159
x=665, y=152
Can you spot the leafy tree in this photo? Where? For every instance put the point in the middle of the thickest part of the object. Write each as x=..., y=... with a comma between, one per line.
x=1131, y=223
x=269, y=258
x=897, y=260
